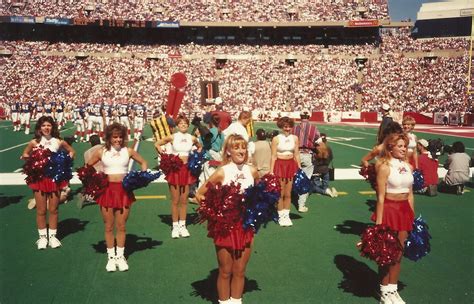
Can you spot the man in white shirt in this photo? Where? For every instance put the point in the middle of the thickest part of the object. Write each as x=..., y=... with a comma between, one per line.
x=240, y=126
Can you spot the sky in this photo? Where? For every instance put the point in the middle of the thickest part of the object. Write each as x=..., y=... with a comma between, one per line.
x=404, y=9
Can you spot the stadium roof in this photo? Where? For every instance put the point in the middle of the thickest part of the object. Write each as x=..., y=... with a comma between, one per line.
x=446, y=9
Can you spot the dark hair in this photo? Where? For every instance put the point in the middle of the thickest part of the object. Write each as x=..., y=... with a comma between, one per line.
x=285, y=120
x=41, y=121
x=94, y=140
x=261, y=134
x=458, y=147
x=272, y=134
x=109, y=131
x=391, y=128
x=323, y=137
x=215, y=120
x=185, y=119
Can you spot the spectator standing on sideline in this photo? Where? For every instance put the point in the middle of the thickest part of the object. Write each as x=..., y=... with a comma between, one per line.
x=457, y=165
x=240, y=126
x=262, y=155
x=307, y=134
x=428, y=167
x=386, y=119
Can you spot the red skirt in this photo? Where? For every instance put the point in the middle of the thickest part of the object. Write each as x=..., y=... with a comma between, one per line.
x=183, y=177
x=285, y=168
x=115, y=196
x=237, y=240
x=48, y=185
x=397, y=215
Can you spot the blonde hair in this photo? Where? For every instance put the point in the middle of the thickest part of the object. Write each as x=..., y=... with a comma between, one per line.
x=233, y=141
x=390, y=142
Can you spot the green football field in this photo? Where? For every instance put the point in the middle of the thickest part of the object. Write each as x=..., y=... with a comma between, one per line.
x=315, y=261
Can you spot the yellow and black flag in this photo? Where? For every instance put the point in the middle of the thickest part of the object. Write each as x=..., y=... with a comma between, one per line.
x=160, y=127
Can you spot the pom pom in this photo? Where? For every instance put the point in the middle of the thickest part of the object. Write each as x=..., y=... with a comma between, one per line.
x=272, y=183
x=94, y=183
x=381, y=244
x=417, y=244
x=260, y=204
x=222, y=207
x=195, y=162
x=418, y=180
x=301, y=183
x=369, y=174
x=59, y=167
x=35, y=165
x=170, y=163
x=138, y=179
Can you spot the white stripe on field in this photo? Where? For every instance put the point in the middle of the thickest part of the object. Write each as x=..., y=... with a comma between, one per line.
x=11, y=148
x=357, y=147
x=9, y=179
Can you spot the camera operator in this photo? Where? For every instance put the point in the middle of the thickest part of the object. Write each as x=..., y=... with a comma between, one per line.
x=457, y=165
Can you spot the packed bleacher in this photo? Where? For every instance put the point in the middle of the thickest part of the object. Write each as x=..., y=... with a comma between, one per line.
x=322, y=79
x=203, y=10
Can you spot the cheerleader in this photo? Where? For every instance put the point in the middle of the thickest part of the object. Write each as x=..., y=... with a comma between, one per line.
x=233, y=251
x=284, y=164
x=46, y=191
x=395, y=205
x=408, y=125
x=178, y=182
x=115, y=202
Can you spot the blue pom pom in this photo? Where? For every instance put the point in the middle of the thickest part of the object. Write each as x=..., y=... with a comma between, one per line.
x=418, y=180
x=417, y=244
x=260, y=206
x=138, y=179
x=301, y=183
x=59, y=167
x=195, y=162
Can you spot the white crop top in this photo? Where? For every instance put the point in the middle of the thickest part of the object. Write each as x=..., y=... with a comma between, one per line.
x=400, y=179
x=115, y=162
x=238, y=174
x=182, y=143
x=286, y=144
x=412, y=142
x=52, y=144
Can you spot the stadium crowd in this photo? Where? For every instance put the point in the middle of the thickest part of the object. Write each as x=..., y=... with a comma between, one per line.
x=203, y=10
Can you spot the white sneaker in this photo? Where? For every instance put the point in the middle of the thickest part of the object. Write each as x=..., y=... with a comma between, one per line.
x=175, y=233
x=303, y=209
x=54, y=242
x=329, y=192
x=31, y=203
x=385, y=298
x=121, y=263
x=281, y=221
x=289, y=223
x=42, y=242
x=111, y=264
x=395, y=298
x=183, y=232
x=334, y=192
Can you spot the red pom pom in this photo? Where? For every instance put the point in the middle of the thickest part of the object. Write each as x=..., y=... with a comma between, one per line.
x=94, y=182
x=170, y=163
x=272, y=183
x=35, y=165
x=381, y=244
x=370, y=175
x=222, y=207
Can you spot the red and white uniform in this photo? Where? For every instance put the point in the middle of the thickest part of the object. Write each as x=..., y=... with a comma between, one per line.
x=285, y=168
x=182, y=145
x=115, y=162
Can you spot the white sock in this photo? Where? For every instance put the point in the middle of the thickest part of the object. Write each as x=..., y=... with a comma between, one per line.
x=182, y=223
x=235, y=301
x=384, y=288
x=281, y=213
x=175, y=224
x=53, y=232
x=111, y=252
x=120, y=251
x=287, y=213
x=43, y=232
x=392, y=287
x=224, y=301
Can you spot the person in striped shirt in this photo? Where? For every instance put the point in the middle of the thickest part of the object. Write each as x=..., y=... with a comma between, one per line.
x=307, y=134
